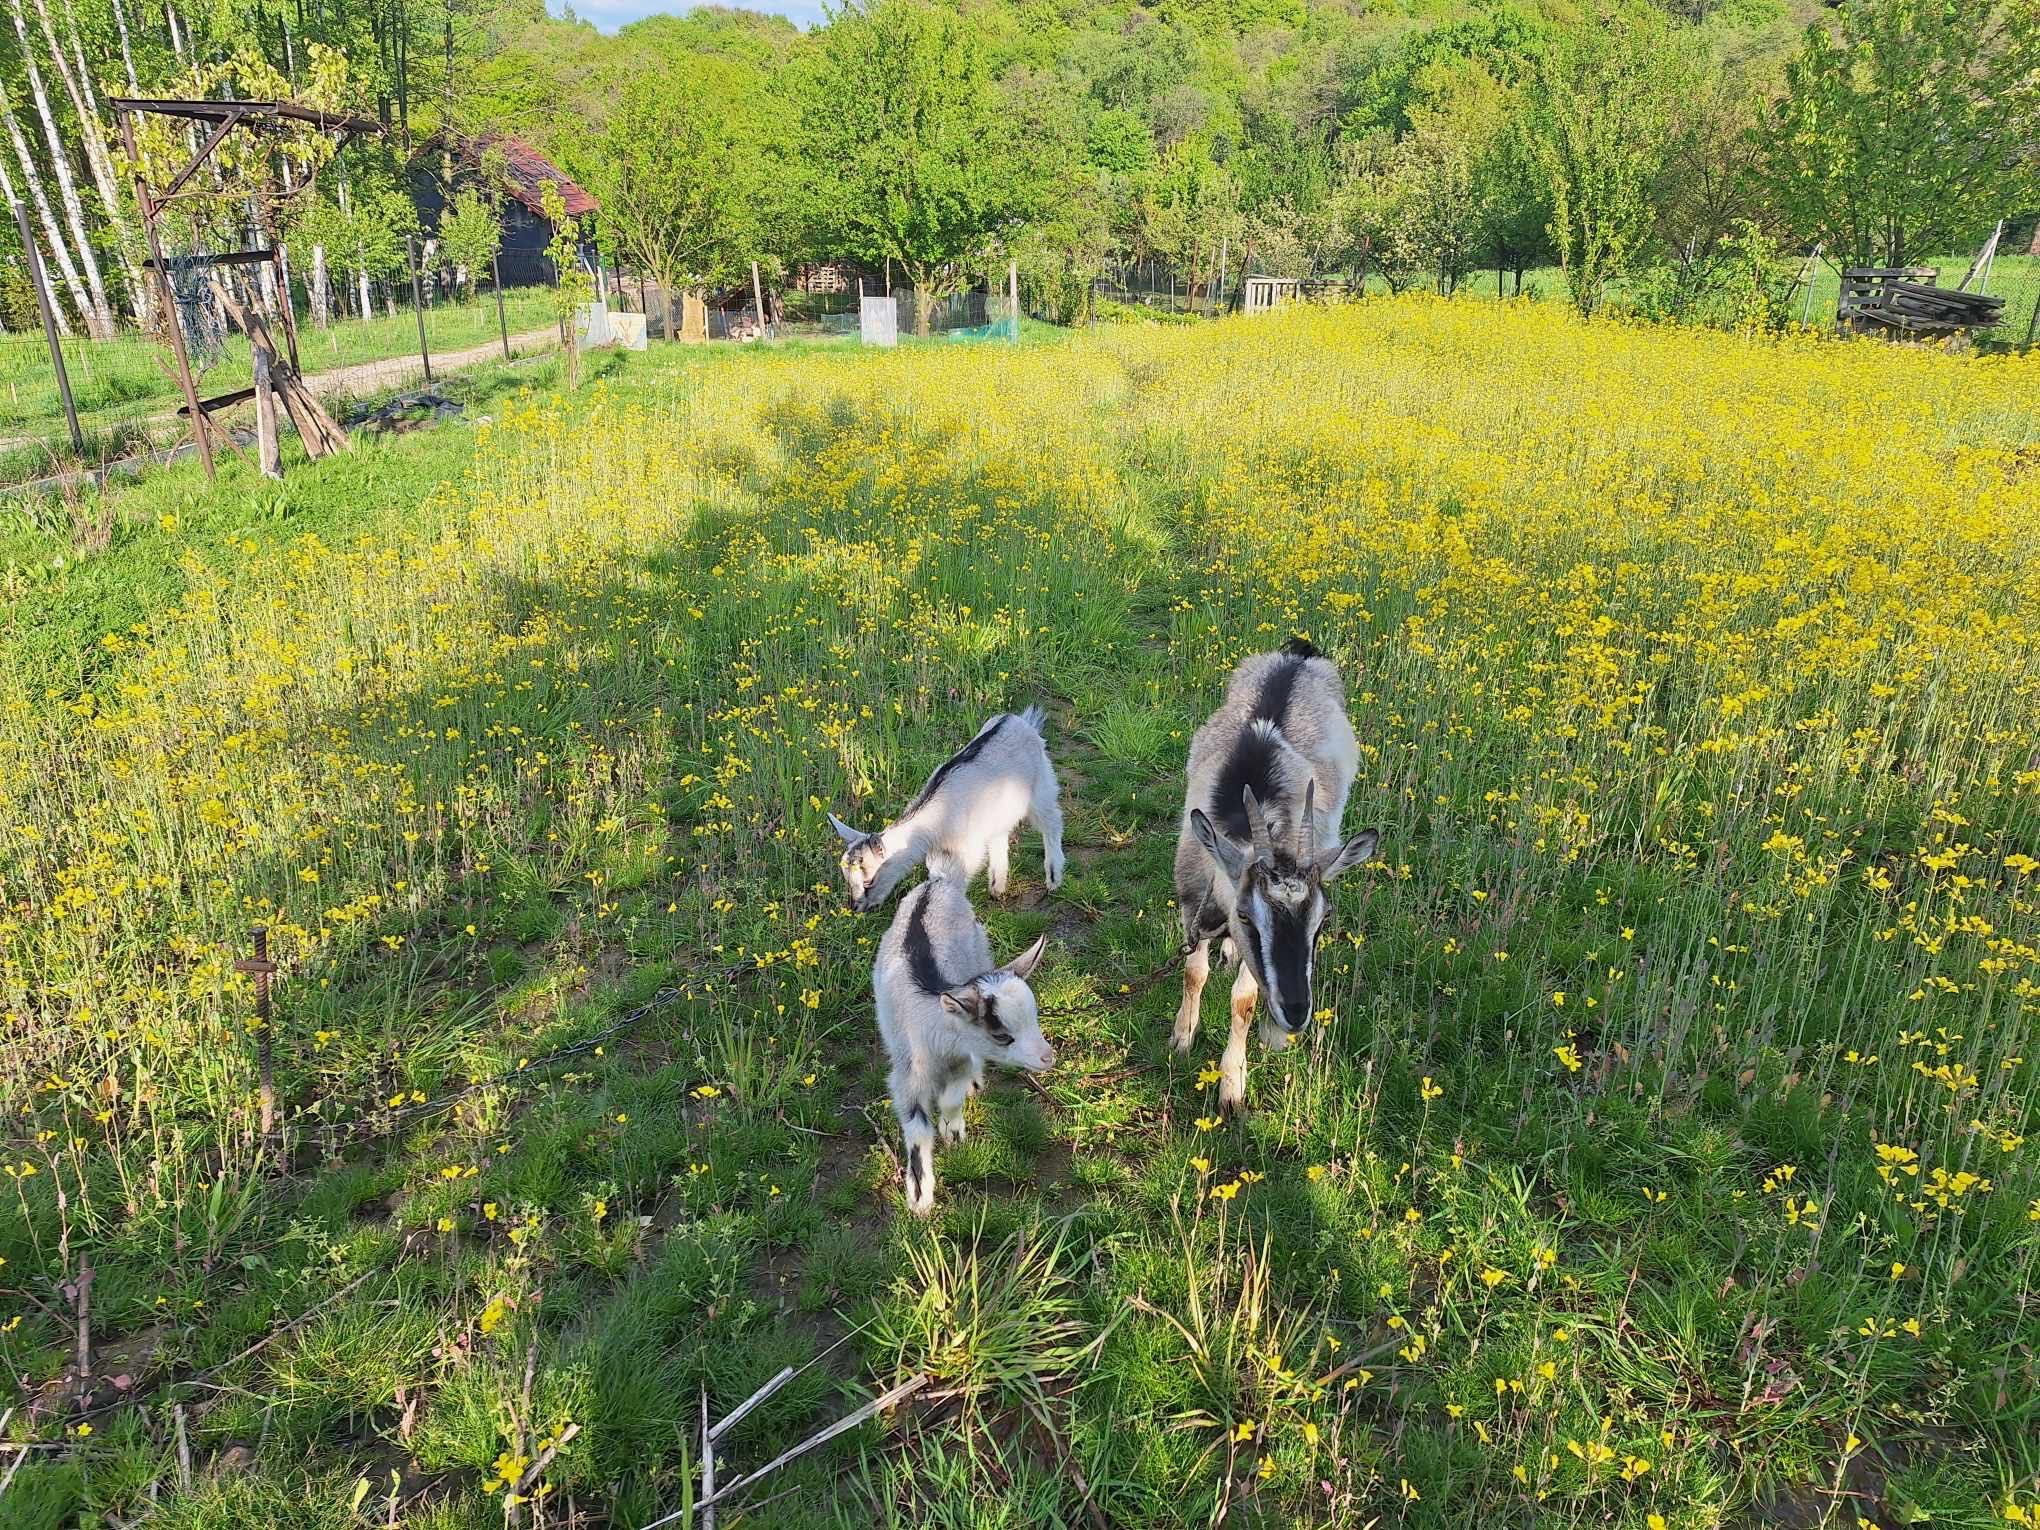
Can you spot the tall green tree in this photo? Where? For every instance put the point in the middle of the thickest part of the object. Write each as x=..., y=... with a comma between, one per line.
x=1909, y=130
x=470, y=234
x=1599, y=131
x=909, y=156
x=682, y=175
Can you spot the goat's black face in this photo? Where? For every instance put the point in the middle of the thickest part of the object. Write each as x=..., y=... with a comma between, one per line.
x=1279, y=908
x=1276, y=923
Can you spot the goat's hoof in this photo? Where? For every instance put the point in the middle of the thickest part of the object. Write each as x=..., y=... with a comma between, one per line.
x=1232, y=1104
x=1055, y=878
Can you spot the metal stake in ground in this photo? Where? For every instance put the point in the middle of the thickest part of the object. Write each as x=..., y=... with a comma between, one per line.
x=40, y=282
x=260, y=967
x=503, y=324
x=417, y=303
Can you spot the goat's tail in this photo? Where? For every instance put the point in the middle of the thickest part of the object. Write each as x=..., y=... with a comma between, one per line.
x=1302, y=648
x=1036, y=719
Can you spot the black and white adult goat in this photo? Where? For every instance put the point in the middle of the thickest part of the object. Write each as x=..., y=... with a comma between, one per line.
x=945, y=1011
x=1255, y=851
x=965, y=816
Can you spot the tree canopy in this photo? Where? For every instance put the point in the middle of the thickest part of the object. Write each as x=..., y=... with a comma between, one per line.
x=1629, y=142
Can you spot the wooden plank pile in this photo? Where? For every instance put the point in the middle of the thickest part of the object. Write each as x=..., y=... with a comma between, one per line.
x=1905, y=299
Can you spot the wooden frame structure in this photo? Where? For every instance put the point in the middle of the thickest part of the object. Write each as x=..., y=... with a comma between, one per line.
x=1904, y=300
x=272, y=373
x=1258, y=294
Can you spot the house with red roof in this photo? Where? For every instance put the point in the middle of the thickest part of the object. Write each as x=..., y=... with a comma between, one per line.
x=513, y=174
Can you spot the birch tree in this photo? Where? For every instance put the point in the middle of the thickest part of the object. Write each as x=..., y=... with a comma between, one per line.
x=60, y=250
x=77, y=82
x=99, y=315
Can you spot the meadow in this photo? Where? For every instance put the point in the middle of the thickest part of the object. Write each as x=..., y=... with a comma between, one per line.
x=1661, y=1157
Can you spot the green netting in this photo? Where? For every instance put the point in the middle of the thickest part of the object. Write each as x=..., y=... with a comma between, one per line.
x=998, y=329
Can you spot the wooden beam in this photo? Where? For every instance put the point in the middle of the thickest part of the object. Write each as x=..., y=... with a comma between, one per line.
x=226, y=126
x=231, y=258
x=220, y=401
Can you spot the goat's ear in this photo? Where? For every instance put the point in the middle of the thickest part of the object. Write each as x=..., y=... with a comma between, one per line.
x=966, y=1002
x=1025, y=963
x=849, y=835
x=1231, y=858
x=1354, y=852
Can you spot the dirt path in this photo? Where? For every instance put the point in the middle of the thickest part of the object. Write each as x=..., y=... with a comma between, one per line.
x=348, y=381
x=369, y=376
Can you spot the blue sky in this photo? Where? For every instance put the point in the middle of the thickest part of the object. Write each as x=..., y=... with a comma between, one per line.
x=608, y=15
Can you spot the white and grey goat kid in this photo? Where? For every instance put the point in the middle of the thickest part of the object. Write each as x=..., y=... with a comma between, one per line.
x=944, y=1011
x=965, y=816
x=1266, y=792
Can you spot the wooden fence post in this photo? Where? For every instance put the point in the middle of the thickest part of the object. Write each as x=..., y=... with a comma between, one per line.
x=268, y=451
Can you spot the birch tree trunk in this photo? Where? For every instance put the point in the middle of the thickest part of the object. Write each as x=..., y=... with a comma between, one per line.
x=60, y=251
x=320, y=298
x=367, y=302
x=99, y=318
x=78, y=85
x=127, y=52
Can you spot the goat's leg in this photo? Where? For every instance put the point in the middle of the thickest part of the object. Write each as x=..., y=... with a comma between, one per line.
x=1196, y=968
x=920, y=1160
x=1047, y=817
x=997, y=848
x=951, y=1108
x=1232, y=1067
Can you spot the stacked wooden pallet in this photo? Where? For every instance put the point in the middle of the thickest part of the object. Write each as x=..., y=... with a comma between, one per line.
x=1904, y=298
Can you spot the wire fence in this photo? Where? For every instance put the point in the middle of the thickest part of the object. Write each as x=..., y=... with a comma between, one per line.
x=127, y=396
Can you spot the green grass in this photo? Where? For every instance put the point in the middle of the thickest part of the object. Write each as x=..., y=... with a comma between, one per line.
x=131, y=375
x=507, y=727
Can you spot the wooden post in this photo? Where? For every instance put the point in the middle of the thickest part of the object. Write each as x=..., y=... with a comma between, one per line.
x=418, y=304
x=502, y=324
x=269, y=453
x=1013, y=293
x=146, y=201
x=758, y=297
x=40, y=281
x=280, y=258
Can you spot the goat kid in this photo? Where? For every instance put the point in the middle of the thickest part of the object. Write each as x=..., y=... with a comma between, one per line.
x=944, y=1011
x=1254, y=853
x=965, y=816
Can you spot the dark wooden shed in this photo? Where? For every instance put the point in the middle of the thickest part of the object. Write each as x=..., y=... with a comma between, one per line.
x=448, y=163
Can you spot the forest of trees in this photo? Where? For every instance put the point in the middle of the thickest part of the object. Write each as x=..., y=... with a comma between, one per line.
x=1663, y=149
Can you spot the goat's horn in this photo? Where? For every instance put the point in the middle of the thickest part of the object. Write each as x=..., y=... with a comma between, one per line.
x=1306, y=827
x=1257, y=825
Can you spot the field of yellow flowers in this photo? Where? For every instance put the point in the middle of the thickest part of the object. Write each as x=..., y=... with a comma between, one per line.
x=1662, y=1158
